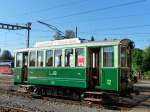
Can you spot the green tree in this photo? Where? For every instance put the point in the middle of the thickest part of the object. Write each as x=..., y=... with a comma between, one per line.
x=92, y=38
x=146, y=59
x=6, y=55
x=57, y=36
x=137, y=57
x=69, y=34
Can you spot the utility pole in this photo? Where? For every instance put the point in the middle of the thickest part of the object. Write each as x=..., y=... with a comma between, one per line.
x=76, y=33
x=18, y=27
x=28, y=36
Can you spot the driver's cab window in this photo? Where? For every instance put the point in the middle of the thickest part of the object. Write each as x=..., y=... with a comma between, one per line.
x=123, y=56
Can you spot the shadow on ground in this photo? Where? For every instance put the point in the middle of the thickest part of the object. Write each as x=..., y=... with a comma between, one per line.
x=128, y=103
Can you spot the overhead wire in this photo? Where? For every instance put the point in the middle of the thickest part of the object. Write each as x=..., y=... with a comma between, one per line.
x=107, y=29
x=108, y=18
x=77, y=13
x=105, y=8
x=117, y=28
x=98, y=9
x=124, y=33
x=102, y=9
x=75, y=2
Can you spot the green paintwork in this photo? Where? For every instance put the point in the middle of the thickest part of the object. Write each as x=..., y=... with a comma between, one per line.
x=110, y=79
x=75, y=76
x=70, y=77
x=17, y=75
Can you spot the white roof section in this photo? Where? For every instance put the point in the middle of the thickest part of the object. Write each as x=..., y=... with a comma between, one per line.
x=72, y=43
x=59, y=42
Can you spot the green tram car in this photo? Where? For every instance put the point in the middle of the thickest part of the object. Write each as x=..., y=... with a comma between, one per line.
x=75, y=66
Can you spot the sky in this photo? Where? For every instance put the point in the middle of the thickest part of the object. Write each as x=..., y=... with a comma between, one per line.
x=111, y=19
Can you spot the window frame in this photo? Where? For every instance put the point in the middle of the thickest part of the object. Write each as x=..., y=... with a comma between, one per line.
x=37, y=61
x=52, y=57
x=62, y=57
x=113, y=61
x=85, y=56
x=73, y=56
x=35, y=58
x=21, y=60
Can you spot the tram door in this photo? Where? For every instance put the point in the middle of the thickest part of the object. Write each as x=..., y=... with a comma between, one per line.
x=94, y=65
x=25, y=67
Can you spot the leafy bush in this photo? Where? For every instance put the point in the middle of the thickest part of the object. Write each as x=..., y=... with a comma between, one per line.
x=147, y=75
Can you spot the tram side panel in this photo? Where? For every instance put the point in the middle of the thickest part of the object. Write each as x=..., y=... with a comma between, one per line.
x=67, y=77
x=17, y=75
x=110, y=79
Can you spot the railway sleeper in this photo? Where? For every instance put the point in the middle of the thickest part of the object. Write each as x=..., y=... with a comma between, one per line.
x=4, y=108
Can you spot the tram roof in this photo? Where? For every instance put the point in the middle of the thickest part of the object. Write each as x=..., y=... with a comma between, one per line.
x=85, y=44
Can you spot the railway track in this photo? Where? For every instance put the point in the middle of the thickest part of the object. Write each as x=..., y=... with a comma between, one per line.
x=4, y=108
x=12, y=91
x=108, y=103
x=103, y=104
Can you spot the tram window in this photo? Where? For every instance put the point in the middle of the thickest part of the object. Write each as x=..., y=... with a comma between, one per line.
x=25, y=59
x=32, y=58
x=69, y=57
x=49, y=58
x=19, y=60
x=108, y=57
x=123, y=57
x=58, y=58
x=79, y=57
x=40, y=58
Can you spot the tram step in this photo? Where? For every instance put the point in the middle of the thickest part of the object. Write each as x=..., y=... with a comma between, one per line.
x=96, y=93
x=23, y=88
x=93, y=99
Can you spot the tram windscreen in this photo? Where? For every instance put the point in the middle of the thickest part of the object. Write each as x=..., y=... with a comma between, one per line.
x=125, y=57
